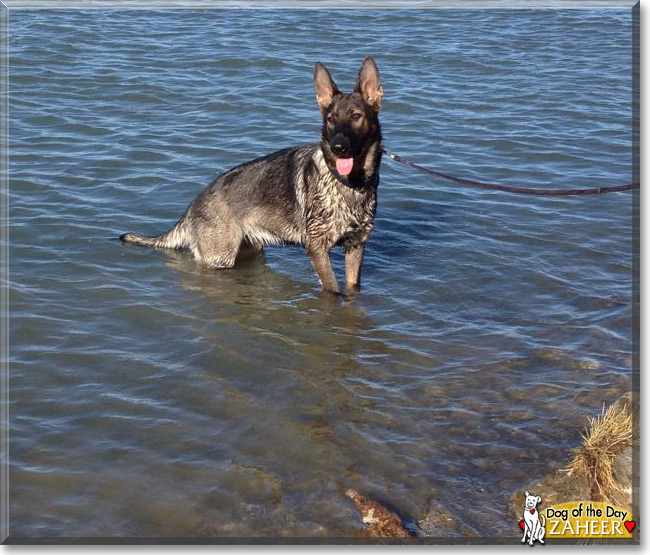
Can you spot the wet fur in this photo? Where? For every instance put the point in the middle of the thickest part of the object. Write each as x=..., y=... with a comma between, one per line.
x=295, y=195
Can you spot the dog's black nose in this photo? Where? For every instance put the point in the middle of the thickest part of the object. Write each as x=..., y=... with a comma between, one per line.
x=339, y=149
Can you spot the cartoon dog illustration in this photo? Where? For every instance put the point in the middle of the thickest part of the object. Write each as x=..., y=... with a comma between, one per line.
x=533, y=527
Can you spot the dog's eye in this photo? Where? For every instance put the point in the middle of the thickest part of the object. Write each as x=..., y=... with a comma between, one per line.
x=355, y=117
x=330, y=118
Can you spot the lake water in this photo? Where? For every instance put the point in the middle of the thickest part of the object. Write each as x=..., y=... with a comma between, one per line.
x=152, y=398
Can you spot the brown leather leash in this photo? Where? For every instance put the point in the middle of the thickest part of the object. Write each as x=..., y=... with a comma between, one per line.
x=507, y=189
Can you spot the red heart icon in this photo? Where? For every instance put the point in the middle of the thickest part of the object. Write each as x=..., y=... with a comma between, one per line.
x=532, y=511
x=521, y=523
x=630, y=524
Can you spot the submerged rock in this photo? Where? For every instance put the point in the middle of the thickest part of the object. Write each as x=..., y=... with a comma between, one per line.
x=622, y=469
x=554, y=489
x=382, y=522
x=439, y=523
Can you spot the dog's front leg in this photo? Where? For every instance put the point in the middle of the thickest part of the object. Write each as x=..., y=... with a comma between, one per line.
x=533, y=533
x=320, y=258
x=353, y=260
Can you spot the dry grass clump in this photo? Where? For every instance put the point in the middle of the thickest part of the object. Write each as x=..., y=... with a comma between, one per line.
x=606, y=437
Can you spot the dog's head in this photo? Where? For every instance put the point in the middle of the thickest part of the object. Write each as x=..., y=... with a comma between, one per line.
x=532, y=501
x=350, y=121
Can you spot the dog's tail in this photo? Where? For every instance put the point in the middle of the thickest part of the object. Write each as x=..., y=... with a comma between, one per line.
x=175, y=238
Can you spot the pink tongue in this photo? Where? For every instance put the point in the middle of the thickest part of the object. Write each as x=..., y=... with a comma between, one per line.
x=344, y=165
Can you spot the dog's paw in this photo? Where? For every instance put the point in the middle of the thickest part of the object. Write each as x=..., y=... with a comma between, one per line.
x=352, y=288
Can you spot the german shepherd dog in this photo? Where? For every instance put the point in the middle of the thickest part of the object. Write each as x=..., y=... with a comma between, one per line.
x=317, y=196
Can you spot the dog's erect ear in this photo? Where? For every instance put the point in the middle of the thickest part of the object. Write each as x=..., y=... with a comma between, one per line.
x=526, y=493
x=539, y=499
x=368, y=83
x=326, y=88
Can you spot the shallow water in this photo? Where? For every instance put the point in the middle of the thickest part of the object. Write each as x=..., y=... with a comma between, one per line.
x=150, y=397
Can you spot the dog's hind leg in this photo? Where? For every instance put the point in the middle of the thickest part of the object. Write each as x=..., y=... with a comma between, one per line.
x=218, y=247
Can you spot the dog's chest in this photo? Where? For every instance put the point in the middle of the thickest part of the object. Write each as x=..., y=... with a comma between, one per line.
x=530, y=515
x=339, y=213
